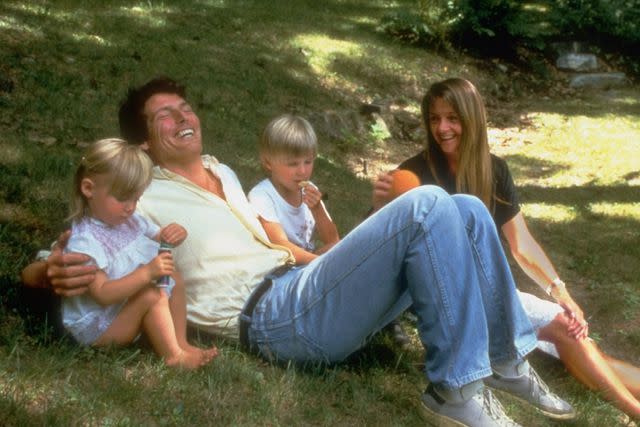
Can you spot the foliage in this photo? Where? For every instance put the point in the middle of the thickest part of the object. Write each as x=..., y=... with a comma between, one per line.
x=613, y=25
x=485, y=18
x=443, y=23
x=429, y=26
x=618, y=19
x=497, y=27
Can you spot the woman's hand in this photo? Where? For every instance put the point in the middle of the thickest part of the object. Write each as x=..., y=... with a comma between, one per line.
x=578, y=326
x=173, y=234
x=382, y=191
x=68, y=274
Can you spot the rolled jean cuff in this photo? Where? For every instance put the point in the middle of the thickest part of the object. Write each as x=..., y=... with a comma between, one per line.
x=466, y=379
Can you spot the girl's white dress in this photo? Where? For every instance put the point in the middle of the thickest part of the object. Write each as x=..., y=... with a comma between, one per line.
x=116, y=250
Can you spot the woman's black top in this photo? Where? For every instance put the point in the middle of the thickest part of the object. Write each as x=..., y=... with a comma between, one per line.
x=506, y=204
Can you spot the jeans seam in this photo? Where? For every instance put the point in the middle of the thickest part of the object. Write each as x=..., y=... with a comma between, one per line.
x=330, y=288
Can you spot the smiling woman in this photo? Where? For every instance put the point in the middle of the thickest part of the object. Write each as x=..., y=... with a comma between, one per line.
x=457, y=158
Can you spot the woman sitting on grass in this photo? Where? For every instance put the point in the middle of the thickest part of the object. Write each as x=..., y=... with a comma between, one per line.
x=123, y=299
x=457, y=158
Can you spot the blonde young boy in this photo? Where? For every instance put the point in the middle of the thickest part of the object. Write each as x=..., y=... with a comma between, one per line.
x=289, y=206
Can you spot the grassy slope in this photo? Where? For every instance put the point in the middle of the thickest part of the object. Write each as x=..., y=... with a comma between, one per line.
x=65, y=65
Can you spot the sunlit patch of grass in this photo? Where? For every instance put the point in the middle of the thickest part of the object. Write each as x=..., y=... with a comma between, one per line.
x=594, y=150
x=213, y=3
x=30, y=7
x=617, y=210
x=549, y=212
x=536, y=7
x=321, y=50
x=151, y=15
x=10, y=23
x=370, y=20
x=91, y=38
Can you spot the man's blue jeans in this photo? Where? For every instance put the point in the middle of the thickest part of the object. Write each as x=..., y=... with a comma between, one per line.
x=438, y=252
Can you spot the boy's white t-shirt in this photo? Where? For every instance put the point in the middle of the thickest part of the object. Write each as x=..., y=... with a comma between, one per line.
x=298, y=222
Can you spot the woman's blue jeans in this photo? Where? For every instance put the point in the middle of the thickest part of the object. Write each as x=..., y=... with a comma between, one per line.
x=438, y=252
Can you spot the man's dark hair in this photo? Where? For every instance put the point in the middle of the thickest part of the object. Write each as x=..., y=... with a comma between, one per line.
x=133, y=123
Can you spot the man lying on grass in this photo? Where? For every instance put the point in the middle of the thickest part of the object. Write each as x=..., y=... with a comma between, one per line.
x=437, y=252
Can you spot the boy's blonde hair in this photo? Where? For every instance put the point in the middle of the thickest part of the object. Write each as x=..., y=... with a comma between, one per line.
x=288, y=135
x=126, y=167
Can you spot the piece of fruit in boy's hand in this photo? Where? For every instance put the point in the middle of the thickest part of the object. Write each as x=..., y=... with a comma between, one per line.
x=403, y=181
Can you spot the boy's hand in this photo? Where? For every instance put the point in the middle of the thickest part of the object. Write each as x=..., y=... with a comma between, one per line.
x=382, y=191
x=173, y=234
x=68, y=273
x=161, y=265
x=311, y=196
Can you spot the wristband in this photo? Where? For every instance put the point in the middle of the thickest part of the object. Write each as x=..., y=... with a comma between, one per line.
x=42, y=255
x=557, y=283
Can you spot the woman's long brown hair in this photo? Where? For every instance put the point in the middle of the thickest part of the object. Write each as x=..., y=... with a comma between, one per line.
x=474, y=174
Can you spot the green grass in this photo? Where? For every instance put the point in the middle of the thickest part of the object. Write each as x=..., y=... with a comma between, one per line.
x=64, y=67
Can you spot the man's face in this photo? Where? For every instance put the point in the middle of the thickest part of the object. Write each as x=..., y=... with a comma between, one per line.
x=174, y=129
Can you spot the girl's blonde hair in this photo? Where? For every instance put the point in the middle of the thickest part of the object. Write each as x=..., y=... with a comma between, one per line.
x=288, y=135
x=126, y=167
x=474, y=175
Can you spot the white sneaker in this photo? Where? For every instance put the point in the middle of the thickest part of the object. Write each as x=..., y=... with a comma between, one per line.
x=530, y=388
x=482, y=410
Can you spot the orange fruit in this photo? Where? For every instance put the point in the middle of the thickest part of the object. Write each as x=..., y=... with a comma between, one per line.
x=403, y=181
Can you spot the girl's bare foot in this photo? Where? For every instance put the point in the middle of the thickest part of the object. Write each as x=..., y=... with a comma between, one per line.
x=207, y=354
x=210, y=353
x=188, y=347
x=188, y=359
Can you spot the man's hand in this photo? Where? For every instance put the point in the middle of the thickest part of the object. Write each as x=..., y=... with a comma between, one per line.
x=382, y=191
x=173, y=234
x=68, y=273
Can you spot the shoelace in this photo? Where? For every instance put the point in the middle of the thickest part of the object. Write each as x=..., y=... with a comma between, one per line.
x=493, y=405
x=535, y=379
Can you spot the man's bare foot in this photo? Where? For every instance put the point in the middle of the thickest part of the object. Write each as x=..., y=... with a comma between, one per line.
x=189, y=359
